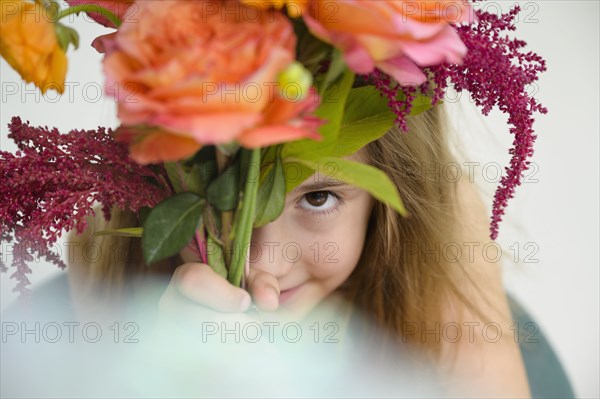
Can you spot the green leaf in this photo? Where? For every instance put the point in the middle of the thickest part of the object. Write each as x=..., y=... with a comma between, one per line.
x=127, y=232
x=223, y=191
x=363, y=103
x=332, y=110
x=295, y=173
x=212, y=222
x=215, y=257
x=310, y=50
x=366, y=118
x=267, y=159
x=201, y=170
x=420, y=104
x=360, y=175
x=66, y=36
x=270, y=199
x=170, y=226
x=175, y=173
x=186, y=178
x=194, y=180
x=337, y=66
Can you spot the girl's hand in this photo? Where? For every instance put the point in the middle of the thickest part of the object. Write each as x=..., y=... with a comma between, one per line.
x=198, y=284
x=195, y=290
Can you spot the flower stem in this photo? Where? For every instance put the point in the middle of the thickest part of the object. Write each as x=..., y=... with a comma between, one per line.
x=226, y=216
x=225, y=229
x=116, y=21
x=243, y=229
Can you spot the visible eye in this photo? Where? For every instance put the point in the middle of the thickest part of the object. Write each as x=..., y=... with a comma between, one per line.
x=320, y=201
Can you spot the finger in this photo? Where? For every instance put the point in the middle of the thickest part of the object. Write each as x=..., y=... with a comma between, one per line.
x=200, y=283
x=264, y=288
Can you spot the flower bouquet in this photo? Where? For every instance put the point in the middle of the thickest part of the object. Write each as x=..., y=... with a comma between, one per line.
x=225, y=106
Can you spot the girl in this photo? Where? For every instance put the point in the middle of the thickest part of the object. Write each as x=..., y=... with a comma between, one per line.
x=424, y=279
x=413, y=277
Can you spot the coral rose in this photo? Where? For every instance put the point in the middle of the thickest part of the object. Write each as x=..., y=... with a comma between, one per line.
x=294, y=8
x=203, y=73
x=396, y=36
x=29, y=44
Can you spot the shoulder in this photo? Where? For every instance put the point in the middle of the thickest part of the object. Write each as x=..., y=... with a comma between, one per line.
x=49, y=301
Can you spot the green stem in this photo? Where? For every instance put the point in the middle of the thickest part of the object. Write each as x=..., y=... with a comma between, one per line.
x=225, y=226
x=116, y=21
x=222, y=161
x=243, y=229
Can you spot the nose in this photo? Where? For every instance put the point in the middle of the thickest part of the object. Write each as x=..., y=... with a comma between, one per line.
x=266, y=249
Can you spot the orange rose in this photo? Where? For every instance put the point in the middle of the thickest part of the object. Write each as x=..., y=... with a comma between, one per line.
x=204, y=75
x=28, y=43
x=294, y=8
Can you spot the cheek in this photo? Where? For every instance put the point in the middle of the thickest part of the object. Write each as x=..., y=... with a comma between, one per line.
x=332, y=255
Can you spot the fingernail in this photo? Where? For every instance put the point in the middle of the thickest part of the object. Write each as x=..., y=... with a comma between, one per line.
x=245, y=303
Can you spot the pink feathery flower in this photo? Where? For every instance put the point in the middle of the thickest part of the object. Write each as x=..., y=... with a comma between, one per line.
x=53, y=181
x=400, y=98
x=496, y=72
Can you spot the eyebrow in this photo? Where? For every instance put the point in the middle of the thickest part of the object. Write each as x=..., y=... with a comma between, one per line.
x=321, y=185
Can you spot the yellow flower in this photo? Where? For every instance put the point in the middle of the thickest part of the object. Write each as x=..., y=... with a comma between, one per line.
x=29, y=44
x=294, y=7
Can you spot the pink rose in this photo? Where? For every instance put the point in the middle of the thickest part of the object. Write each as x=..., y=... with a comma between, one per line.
x=395, y=36
x=205, y=75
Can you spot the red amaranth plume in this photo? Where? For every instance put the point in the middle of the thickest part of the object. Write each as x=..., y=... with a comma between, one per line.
x=496, y=72
x=400, y=105
x=52, y=183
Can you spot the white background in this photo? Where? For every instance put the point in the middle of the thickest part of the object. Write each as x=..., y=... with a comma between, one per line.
x=556, y=211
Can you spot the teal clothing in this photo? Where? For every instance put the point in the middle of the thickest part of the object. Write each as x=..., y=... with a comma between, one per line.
x=547, y=377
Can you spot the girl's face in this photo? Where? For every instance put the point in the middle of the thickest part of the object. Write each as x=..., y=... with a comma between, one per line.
x=315, y=244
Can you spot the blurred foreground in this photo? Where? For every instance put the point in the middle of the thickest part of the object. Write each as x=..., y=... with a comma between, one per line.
x=47, y=352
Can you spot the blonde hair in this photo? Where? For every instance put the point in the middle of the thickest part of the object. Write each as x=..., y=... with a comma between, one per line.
x=105, y=269
x=402, y=277
x=397, y=280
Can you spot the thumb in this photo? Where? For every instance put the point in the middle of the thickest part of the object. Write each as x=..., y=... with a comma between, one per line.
x=264, y=288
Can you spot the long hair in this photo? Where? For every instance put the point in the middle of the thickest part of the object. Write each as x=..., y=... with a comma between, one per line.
x=410, y=266
x=107, y=270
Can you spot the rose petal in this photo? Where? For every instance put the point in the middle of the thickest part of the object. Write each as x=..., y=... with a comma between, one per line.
x=160, y=147
x=269, y=135
x=104, y=43
x=210, y=128
x=445, y=47
x=403, y=70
